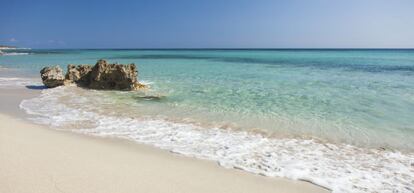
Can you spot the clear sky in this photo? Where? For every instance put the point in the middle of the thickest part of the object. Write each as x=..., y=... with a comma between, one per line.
x=207, y=23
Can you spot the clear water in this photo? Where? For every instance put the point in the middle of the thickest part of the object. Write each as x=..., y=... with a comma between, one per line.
x=315, y=101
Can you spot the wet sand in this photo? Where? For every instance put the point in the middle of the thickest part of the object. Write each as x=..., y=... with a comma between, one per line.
x=35, y=158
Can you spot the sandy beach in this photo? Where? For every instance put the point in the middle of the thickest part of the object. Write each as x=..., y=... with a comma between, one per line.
x=35, y=158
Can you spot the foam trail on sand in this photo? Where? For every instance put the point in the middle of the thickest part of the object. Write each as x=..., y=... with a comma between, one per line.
x=339, y=167
x=10, y=82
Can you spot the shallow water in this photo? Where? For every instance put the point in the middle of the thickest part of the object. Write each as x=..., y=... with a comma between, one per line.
x=326, y=116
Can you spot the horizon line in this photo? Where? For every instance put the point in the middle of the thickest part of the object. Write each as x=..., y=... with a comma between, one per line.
x=292, y=48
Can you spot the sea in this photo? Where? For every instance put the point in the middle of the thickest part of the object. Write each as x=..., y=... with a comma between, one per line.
x=339, y=118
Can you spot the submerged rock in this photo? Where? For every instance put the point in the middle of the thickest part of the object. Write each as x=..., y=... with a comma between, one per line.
x=101, y=76
x=52, y=76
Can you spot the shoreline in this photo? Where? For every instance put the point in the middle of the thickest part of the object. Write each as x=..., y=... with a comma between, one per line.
x=34, y=158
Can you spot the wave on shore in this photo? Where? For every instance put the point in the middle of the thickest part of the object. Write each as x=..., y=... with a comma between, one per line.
x=339, y=167
x=8, y=82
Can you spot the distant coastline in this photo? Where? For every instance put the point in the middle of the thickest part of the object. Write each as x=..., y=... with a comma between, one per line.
x=4, y=50
x=4, y=47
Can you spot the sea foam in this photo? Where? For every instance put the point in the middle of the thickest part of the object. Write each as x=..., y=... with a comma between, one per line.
x=339, y=167
x=10, y=82
x=14, y=54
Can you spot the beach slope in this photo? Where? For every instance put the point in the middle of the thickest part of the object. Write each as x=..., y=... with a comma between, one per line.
x=37, y=159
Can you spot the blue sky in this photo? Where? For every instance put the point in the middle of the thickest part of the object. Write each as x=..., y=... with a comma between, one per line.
x=207, y=23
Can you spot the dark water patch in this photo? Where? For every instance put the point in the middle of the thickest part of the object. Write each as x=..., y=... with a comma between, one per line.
x=404, y=70
x=44, y=51
x=155, y=98
x=162, y=57
x=324, y=64
x=36, y=87
x=330, y=63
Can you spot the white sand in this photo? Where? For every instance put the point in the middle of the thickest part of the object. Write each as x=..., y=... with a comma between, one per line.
x=36, y=159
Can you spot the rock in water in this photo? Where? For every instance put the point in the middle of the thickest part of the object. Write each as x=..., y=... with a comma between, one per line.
x=79, y=74
x=52, y=76
x=113, y=76
x=101, y=76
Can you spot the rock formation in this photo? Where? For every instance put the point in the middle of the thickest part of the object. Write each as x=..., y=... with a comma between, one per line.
x=101, y=76
x=79, y=74
x=52, y=76
x=113, y=76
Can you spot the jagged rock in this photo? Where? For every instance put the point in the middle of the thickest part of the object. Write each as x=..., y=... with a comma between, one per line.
x=138, y=86
x=101, y=76
x=52, y=76
x=113, y=76
x=79, y=74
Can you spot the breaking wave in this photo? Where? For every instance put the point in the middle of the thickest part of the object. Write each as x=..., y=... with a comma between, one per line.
x=14, y=53
x=339, y=167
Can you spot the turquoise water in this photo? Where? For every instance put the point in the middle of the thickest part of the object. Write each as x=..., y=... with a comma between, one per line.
x=342, y=119
x=362, y=97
